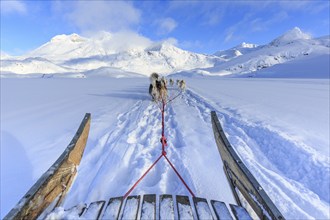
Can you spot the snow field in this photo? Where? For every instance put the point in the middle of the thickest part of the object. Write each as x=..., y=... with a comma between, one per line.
x=134, y=145
x=283, y=164
x=280, y=128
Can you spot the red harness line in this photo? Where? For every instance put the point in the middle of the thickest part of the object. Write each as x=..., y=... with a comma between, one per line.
x=164, y=143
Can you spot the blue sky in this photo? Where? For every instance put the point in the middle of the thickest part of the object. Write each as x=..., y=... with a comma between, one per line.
x=199, y=26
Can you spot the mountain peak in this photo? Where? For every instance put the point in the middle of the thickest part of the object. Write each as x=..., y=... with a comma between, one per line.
x=68, y=38
x=290, y=36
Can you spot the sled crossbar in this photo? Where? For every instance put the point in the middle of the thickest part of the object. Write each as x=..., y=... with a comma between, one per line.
x=152, y=206
x=241, y=178
x=52, y=186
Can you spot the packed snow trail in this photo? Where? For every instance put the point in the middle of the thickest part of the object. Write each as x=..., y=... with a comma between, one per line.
x=126, y=151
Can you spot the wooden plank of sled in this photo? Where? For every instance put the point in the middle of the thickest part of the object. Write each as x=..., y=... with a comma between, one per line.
x=131, y=207
x=184, y=208
x=148, y=210
x=240, y=177
x=202, y=208
x=240, y=212
x=94, y=210
x=77, y=210
x=166, y=207
x=113, y=208
x=221, y=210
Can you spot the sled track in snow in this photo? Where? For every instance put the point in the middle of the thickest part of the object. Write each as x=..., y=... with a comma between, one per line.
x=130, y=144
x=138, y=131
x=268, y=154
x=134, y=142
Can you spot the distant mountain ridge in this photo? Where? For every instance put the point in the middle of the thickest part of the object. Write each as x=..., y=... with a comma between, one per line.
x=76, y=54
x=239, y=50
x=293, y=45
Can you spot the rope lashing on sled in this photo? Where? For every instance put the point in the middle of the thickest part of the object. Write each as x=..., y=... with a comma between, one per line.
x=163, y=154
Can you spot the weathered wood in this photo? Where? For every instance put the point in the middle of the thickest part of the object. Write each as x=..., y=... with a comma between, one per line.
x=56, y=181
x=94, y=210
x=77, y=210
x=240, y=213
x=241, y=177
x=148, y=210
x=113, y=208
x=184, y=208
x=202, y=208
x=131, y=207
x=221, y=210
x=166, y=207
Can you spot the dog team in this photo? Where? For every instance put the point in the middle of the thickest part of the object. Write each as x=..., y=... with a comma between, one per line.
x=158, y=87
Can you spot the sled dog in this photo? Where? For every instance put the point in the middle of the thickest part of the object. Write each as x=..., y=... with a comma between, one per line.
x=182, y=85
x=157, y=88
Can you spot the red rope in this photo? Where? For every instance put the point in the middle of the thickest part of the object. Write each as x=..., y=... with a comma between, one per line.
x=177, y=173
x=171, y=99
x=164, y=143
x=137, y=182
x=163, y=138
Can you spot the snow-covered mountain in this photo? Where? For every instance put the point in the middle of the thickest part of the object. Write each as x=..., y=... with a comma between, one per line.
x=239, y=50
x=73, y=53
x=76, y=54
x=4, y=55
x=293, y=45
x=162, y=57
x=290, y=37
x=32, y=65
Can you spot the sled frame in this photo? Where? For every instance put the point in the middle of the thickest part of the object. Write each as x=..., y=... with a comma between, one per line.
x=240, y=178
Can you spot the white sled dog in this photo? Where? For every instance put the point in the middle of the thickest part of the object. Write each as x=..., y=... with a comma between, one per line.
x=157, y=88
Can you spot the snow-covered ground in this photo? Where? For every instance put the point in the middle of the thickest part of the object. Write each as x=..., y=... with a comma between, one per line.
x=280, y=128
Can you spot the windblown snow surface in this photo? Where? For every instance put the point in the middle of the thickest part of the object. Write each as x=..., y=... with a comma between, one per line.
x=280, y=128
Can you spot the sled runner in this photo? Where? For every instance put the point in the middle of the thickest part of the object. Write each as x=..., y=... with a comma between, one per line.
x=52, y=186
x=241, y=180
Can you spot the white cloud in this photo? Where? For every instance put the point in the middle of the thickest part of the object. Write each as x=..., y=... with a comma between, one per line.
x=171, y=41
x=209, y=13
x=13, y=6
x=121, y=41
x=112, y=16
x=166, y=25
